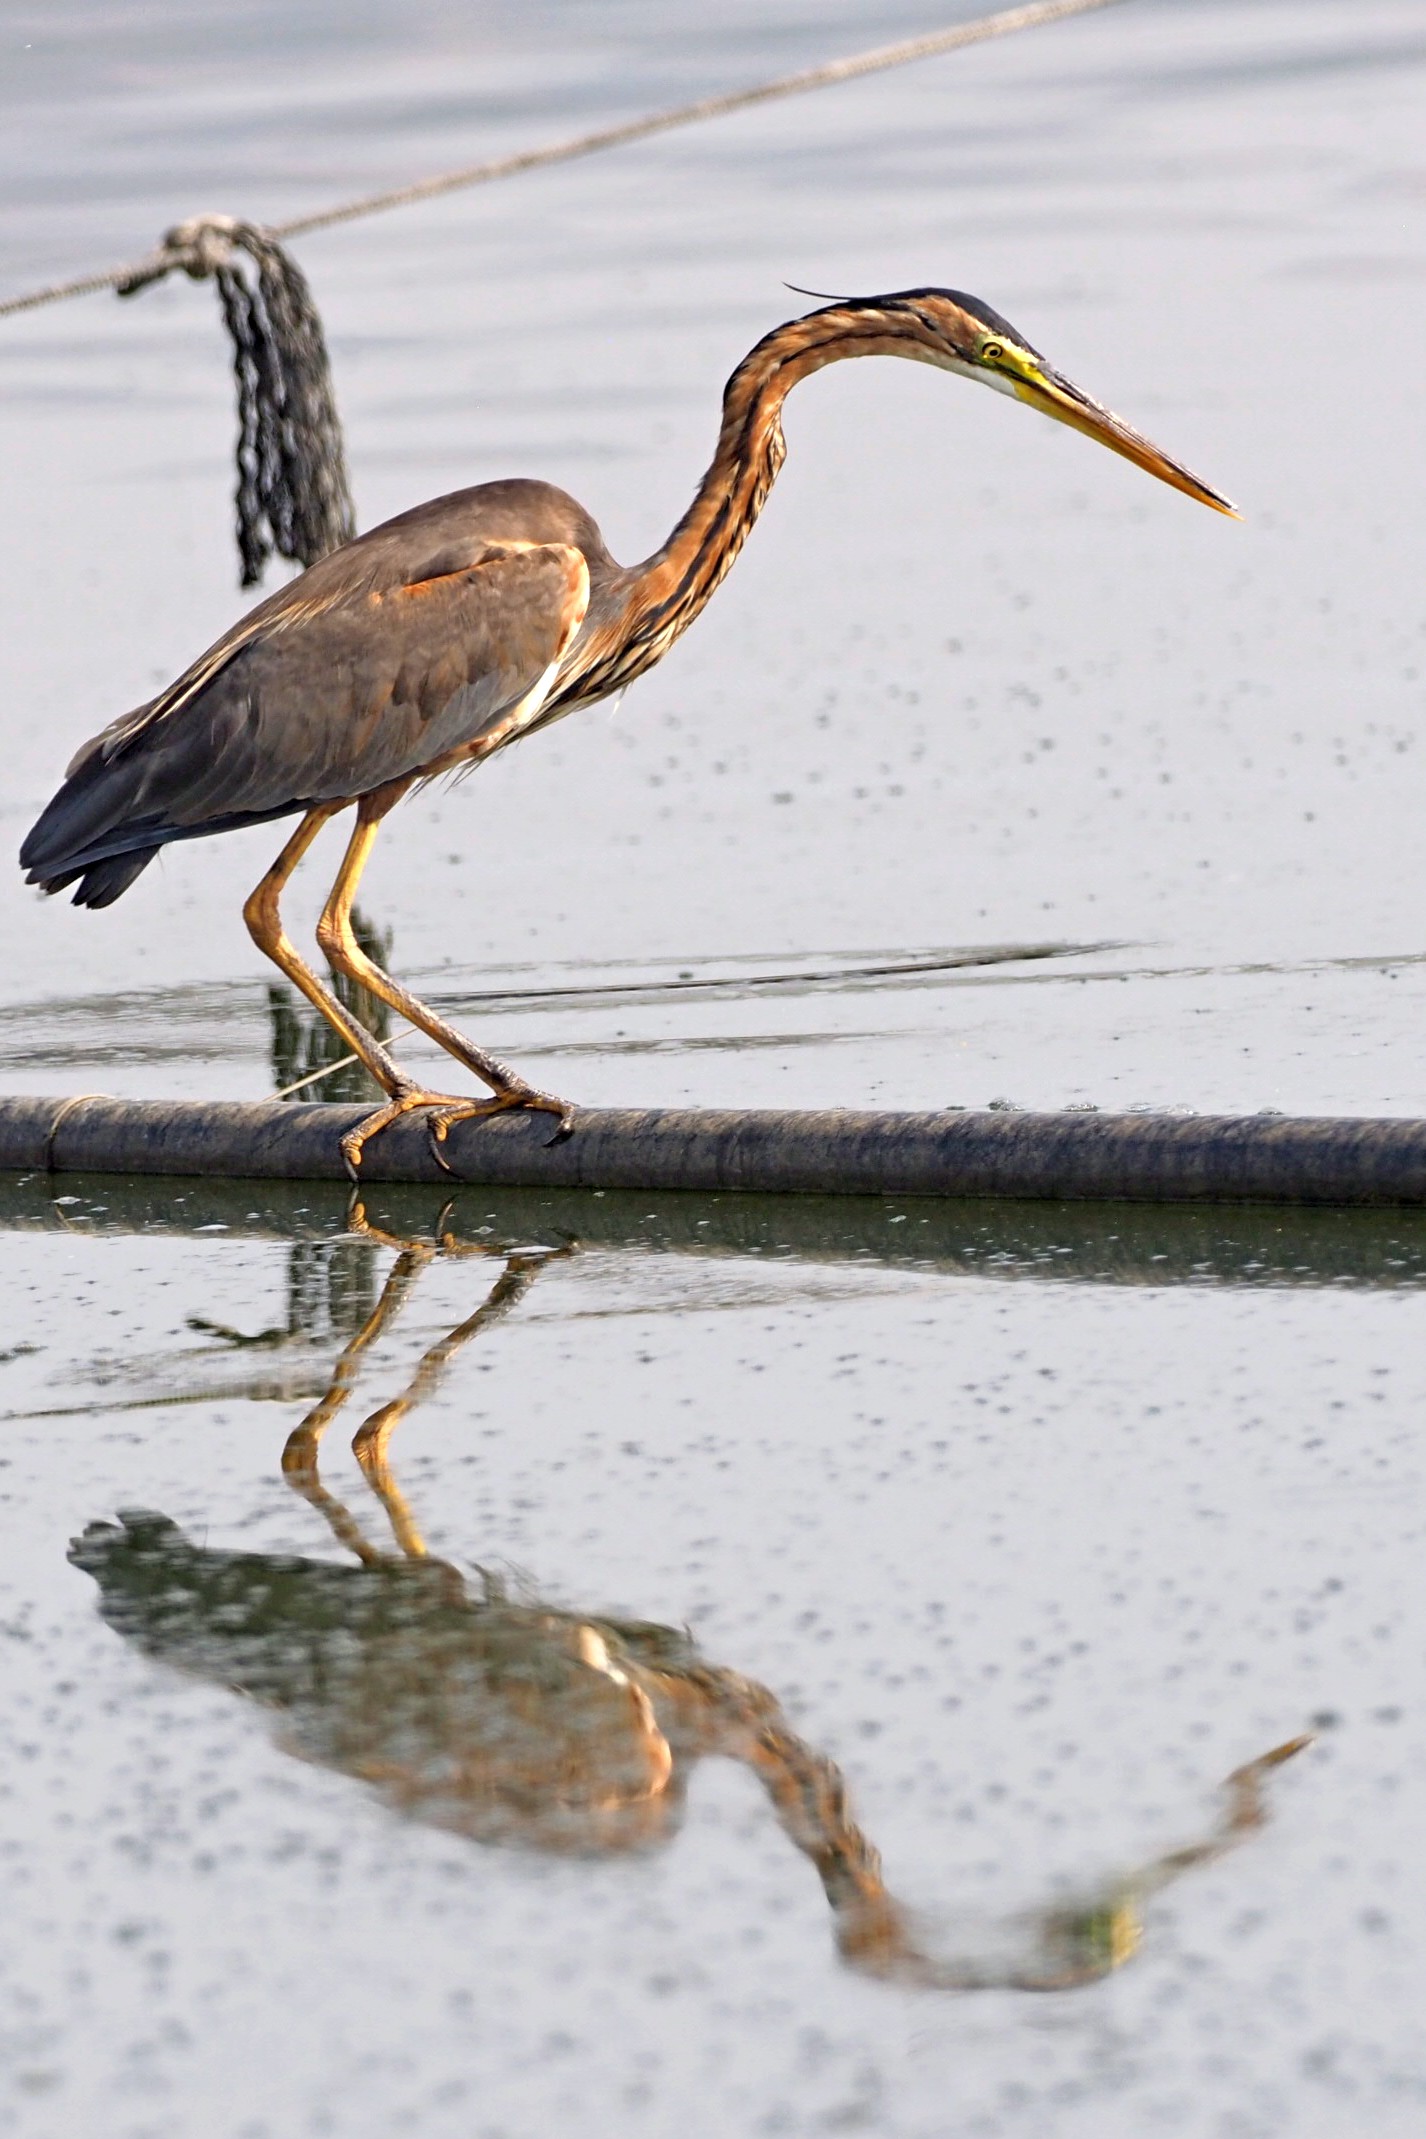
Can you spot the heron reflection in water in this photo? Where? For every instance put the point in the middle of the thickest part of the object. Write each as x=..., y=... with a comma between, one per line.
x=519, y=1723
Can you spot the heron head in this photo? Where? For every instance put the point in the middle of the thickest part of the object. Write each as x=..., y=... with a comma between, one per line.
x=963, y=334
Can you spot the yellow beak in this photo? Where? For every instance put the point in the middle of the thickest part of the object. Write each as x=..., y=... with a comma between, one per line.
x=1059, y=397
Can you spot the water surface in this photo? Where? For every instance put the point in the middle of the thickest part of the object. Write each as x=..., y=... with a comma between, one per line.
x=993, y=772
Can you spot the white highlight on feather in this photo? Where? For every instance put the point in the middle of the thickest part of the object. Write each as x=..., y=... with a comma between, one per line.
x=523, y=713
x=594, y=1651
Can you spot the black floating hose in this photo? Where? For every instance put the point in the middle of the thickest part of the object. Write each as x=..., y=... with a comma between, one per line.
x=1155, y=1158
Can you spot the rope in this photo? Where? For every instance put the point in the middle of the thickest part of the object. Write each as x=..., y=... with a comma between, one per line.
x=65, y=1109
x=293, y=495
x=1002, y=24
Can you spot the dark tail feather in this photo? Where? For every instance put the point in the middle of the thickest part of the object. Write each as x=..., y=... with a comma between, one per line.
x=103, y=882
x=135, y=788
x=86, y=816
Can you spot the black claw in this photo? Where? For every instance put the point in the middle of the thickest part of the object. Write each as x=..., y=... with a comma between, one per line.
x=564, y=1127
x=434, y=1145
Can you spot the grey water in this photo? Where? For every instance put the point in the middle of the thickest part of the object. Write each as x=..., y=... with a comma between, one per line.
x=741, y=1545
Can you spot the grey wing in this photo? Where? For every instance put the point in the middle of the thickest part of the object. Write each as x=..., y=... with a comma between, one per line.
x=319, y=697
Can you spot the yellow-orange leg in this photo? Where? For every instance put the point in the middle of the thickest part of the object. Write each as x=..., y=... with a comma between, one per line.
x=338, y=940
x=264, y=920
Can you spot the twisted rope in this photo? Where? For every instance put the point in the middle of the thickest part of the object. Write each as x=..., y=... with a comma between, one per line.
x=292, y=495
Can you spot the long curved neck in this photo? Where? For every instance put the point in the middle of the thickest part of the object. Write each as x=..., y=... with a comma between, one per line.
x=663, y=595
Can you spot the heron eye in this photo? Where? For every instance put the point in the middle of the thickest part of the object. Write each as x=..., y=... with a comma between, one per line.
x=991, y=352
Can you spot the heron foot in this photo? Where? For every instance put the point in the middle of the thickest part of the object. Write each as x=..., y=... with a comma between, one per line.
x=448, y=1110
x=503, y=1102
x=404, y=1100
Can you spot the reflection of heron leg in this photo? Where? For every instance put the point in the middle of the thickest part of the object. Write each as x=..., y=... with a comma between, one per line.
x=299, y=1457
x=369, y=1447
x=338, y=940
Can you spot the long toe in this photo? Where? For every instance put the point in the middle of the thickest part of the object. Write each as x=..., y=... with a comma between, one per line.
x=518, y=1097
x=401, y=1102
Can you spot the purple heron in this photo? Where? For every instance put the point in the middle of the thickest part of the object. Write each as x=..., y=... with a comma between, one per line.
x=451, y=631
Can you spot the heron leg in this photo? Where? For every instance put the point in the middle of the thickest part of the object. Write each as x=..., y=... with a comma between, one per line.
x=264, y=922
x=338, y=940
